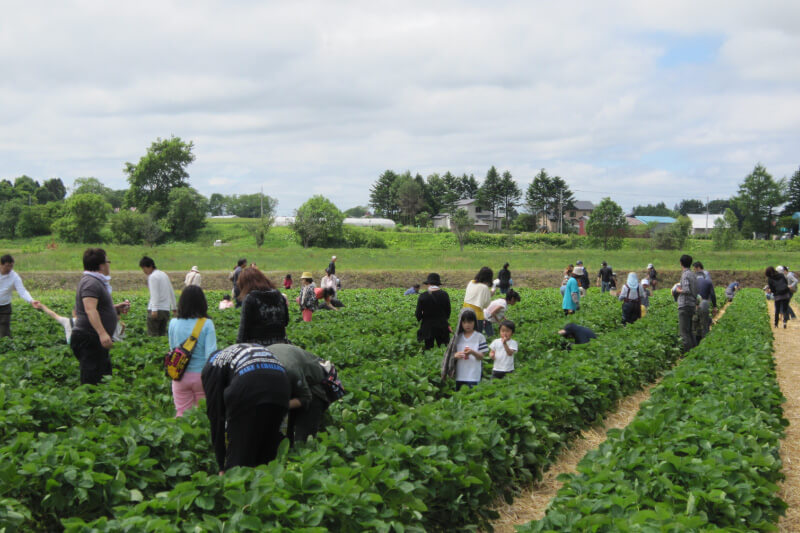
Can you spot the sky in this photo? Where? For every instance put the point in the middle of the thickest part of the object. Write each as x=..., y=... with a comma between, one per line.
x=640, y=101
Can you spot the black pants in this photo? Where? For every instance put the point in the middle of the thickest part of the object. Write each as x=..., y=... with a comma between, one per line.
x=685, y=315
x=782, y=308
x=5, y=320
x=93, y=358
x=253, y=437
x=499, y=374
x=306, y=421
x=441, y=337
x=789, y=307
x=631, y=312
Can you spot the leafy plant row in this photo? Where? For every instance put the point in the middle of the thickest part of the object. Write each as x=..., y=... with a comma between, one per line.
x=702, y=455
x=427, y=466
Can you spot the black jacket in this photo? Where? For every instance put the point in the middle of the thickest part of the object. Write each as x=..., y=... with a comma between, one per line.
x=433, y=310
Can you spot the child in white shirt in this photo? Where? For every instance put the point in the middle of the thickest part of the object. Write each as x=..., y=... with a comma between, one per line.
x=471, y=347
x=502, y=350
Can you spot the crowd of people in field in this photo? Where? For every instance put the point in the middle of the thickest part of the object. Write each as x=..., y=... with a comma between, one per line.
x=263, y=381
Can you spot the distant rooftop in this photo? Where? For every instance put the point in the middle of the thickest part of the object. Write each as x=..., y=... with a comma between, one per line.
x=659, y=220
x=583, y=205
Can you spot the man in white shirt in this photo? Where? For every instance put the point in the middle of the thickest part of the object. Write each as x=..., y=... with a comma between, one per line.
x=162, y=298
x=10, y=280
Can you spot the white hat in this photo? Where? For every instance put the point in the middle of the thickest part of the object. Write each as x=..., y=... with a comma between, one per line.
x=779, y=269
x=194, y=269
x=578, y=271
x=333, y=257
x=650, y=265
x=645, y=282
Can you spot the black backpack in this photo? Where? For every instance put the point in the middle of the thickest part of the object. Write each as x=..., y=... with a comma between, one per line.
x=781, y=286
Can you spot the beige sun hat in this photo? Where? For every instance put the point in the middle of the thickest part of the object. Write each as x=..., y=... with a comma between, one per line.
x=306, y=275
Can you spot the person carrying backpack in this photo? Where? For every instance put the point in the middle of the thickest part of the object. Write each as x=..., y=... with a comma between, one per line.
x=633, y=297
x=779, y=288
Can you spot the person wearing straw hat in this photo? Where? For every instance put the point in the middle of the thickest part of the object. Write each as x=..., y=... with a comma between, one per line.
x=192, y=278
x=308, y=299
x=433, y=313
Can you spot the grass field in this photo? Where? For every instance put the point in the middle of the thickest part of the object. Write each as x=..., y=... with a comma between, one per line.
x=405, y=251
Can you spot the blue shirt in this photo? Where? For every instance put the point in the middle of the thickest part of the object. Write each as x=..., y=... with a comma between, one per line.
x=572, y=286
x=179, y=331
x=410, y=291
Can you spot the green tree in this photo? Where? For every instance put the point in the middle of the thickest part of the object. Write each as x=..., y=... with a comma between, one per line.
x=658, y=210
x=434, y=193
x=250, y=205
x=524, y=222
x=133, y=227
x=33, y=220
x=6, y=191
x=410, y=198
x=758, y=198
x=187, y=213
x=718, y=207
x=56, y=188
x=726, y=231
x=89, y=185
x=157, y=173
x=673, y=236
x=358, y=211
x=489, y=194
x=607, y=224
x=318, y=222
x=216, y=204
x=467, y=187
x=690, y=206
x=537, y=197
x=260, y=227
x=793, y=194
x=461, y=224
x=383, y=196
x=10, y=212
x=83, y=219
x=451, y=192
x=510, y=195
x=25, y=188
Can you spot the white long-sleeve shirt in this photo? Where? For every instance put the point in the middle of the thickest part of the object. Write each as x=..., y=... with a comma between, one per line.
x=9, y=282
x=162, y=296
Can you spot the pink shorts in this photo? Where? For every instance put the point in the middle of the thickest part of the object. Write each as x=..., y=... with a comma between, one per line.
x=307, y=315
x=187, y=392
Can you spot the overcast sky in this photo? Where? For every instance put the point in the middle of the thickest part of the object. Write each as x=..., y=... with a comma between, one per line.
x=642, y=101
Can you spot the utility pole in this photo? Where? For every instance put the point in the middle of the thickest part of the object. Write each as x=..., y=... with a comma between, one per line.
x=706, y=215
x=262, y=201
x=560, y=211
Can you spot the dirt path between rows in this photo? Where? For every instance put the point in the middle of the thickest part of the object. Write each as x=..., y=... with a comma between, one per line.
x=533, y=502
x=786, y=349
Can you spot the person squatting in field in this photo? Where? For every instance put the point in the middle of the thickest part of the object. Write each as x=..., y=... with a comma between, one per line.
x=192, y=306
x=496, y=311
x=433, y=313
x=580, y=334
x=10, y=280
x=478, y=295
x=708, y=301
x=95, y=318
x=463, y=359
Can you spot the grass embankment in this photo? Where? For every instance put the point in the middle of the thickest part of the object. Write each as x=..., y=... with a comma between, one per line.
x=423, y=251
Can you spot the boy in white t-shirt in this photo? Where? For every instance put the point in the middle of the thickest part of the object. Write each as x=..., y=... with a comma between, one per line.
x=471, y=346
x=502, y=350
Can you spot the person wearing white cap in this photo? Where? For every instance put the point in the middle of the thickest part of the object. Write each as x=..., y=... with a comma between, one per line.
x=192, y=278
x=332, y=265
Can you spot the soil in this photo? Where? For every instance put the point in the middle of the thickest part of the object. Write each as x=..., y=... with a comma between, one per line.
x=786, y=347
x=218, y=280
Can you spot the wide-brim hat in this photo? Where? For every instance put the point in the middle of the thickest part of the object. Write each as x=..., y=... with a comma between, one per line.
x=194, y=269
x=306, y=275
x=650, y=265
x=578, y=271
x=579, y=262
x=433, y=279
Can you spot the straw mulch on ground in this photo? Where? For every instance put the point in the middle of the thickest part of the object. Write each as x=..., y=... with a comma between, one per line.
x=533, y=502
x=787, y=358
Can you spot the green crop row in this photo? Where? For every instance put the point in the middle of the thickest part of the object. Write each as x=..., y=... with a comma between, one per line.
x=702, y=454
x=432, y=465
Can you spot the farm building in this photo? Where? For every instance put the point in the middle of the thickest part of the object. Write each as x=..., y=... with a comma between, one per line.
x=363, y=222
x=660, y=222
x=703, y=223
x=484, y=220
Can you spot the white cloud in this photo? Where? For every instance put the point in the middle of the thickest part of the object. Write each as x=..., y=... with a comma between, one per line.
x=323, y=97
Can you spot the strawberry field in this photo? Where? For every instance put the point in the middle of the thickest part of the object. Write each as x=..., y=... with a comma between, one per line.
x=402, y=451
